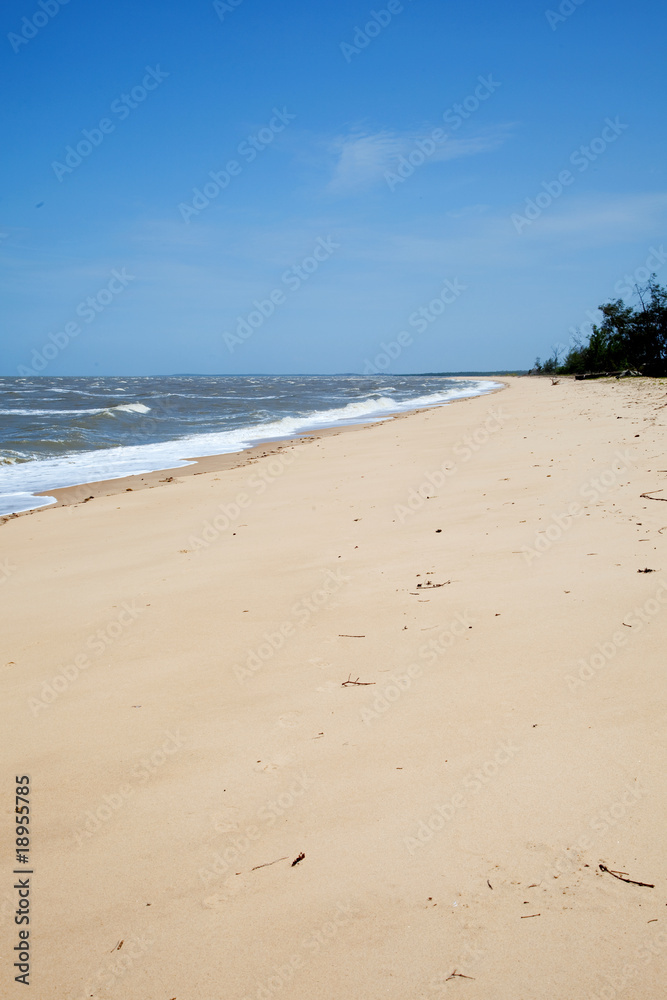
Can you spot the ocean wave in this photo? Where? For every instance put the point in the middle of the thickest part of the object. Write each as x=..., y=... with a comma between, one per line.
x=49, y=413
x=131, y=408
x=138, y=457
x=125, y=407
x=16, y=458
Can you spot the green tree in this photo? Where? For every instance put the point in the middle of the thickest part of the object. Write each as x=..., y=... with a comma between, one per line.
x=626, y=338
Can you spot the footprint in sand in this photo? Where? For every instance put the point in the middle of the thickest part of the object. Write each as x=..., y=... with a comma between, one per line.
x=232, y=887
x=317, y=661
x=215, y=902
x=290, y=720
x=271, y=766
x=225, y=820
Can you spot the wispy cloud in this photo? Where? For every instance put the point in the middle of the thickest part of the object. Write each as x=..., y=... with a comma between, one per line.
x=361, y=158
x=468, y=210
x=626, y=216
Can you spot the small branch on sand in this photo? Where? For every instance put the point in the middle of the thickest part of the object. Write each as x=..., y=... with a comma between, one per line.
x=267, y=864
x=341, y=635
x=297, y=859
x=647, y=496
x=527, y=916
x=621, y=877
x=349, y=682
x=457, y=975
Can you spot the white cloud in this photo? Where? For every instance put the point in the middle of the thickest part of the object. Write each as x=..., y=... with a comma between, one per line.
x=362, y=158
x=594, y=218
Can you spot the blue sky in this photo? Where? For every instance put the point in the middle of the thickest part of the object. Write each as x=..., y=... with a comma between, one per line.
x=313, y=253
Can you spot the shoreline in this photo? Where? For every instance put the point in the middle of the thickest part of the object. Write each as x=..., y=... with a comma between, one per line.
x=364, y=717
x=84, y=492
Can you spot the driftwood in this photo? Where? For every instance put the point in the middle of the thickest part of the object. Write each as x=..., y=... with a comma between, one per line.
x=621, y=876
x=267, y=864
x=624, y=373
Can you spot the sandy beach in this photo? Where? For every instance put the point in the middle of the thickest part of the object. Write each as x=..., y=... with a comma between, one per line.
x=425, y=655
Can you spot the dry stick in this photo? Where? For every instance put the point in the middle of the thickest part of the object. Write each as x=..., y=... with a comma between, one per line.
x=619, y=876
x=527, y=916
x=268, y=864
x=648, y=497
x=357, y=682
x=341, y=635
x=458, y=975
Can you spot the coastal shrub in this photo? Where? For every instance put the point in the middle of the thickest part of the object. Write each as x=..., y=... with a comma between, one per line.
x=627, y=338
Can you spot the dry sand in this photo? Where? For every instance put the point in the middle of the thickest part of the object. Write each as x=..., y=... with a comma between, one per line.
x=173, y=676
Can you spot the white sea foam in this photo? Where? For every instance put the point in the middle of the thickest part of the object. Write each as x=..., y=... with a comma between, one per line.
x=131, y=408
x=50, y=413
x=125, y=407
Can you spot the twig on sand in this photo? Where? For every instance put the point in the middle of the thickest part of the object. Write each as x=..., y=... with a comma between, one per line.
x=527, y=916
x=648, y=496
x=621, y=877
x=297, y=859
x=457, y=975
x=267, y=864
x=341, y=635
x=358, y=683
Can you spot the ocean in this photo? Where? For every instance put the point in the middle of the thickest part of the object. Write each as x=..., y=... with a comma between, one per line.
x=61, y=431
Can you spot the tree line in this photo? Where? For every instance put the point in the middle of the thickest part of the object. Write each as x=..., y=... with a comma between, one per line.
x=627, y=339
